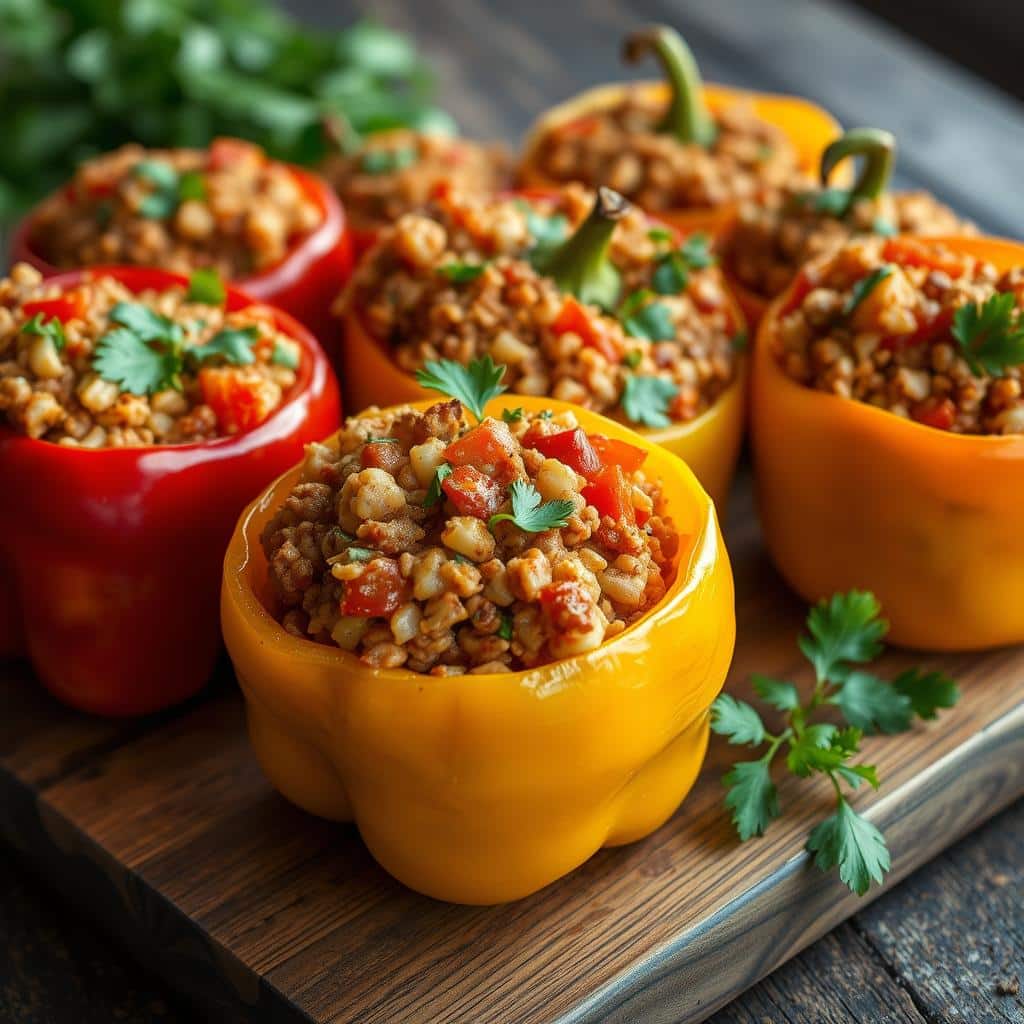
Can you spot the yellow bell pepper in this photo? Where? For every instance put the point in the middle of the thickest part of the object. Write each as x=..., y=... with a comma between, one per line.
x=853, y=496
x=482, y=789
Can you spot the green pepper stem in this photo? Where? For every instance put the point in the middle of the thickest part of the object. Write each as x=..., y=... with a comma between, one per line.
x=876, y=147
x=580, y=265
x=687, y=117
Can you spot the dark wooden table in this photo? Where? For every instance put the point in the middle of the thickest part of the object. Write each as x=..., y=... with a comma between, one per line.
x=948, y=944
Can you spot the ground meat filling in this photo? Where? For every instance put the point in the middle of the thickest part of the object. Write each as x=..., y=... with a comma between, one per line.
x=879, y=322
x=620, y=148
x=56, y=384
x=398, y=171
x=771, y=242
x=369, y=553
x=228, y=207
x=456, y=281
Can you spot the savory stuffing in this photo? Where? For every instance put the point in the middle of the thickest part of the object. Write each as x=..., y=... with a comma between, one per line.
x=227, y=207
x=469, y=276
x=771, y=241
x=414, y=539
x=398, y=171
x=913, y=328
x=621, y=148
x=99, y=366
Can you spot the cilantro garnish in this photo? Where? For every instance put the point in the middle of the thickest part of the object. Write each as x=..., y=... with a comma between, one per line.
x=843, y=633
x=660, y=235
x=387, y=161
x=529, y=514
x=460, y=273
x=170, y=188
x=52, y=329
x=990, y=336
x=505, y=629
x=545, y=414
x=512, y=415
x=434, y=491
x=865, y=286
x=884, y=227
x=381, y=440
x=360, y=554
x=205, y=286
x=234, y=345
x=285, y=355
x=645, y=400
x=650, y=320
x=473, y=385
x=672, y=270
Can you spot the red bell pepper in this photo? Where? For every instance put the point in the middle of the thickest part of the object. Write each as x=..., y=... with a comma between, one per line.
x=940, y=414
x=574, y=317
x=612, y=452
x=305, y=283
x=473, y=493
x=611, y=494
x=571, y=447
x=110, y=559
x=63, y=308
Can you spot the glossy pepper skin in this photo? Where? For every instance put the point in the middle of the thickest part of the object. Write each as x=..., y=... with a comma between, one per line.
x=854, y=496
x=110, y=558
x=303, y=284
x=482, y=789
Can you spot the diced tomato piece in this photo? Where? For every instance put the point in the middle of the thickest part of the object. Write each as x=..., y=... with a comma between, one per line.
x=941, y=414
x=489, y=447
x=229, y=153
x=613, y=452
x=909, y=252
x=574, y=317
x=568, y=605
x=611, y=494
x=69, y=306
x=381, y=455
x=473, y=493
x=378, y=591
x=239, y=397
x=571, y=447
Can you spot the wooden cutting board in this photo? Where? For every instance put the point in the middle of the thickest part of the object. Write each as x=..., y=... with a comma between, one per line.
x=167, y=833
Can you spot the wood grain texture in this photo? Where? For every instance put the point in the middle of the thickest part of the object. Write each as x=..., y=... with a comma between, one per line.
x=174, y=836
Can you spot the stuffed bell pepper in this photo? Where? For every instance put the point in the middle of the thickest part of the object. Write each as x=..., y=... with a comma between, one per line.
x=583, y=298
x=684, y=151
x=769, y=242
x=276, y=231
x=888, y=431
x=139, y=411
x=487, y=631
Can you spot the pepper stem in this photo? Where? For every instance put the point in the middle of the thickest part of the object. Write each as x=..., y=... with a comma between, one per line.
x=580, y=265
x=876, y=147
x=687, y=117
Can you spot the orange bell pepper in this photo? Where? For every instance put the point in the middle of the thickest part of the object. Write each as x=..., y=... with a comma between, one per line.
x=853, y=496
x=482, y=789
x=691, y=104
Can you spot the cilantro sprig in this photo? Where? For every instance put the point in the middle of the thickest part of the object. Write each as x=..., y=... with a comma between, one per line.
x=646, y=400
x=990, y=336
x=52, y=329
x=844, y=633
x=473, y=385
x=434, y=491
x=643, y=318
x=169, y=188
x=529, y=514
x=672, y=268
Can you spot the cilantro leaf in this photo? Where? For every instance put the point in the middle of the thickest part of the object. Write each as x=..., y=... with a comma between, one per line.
x=146, y=323
x=737, y=721
x=205, y=286
x=459, y=273
x=990, y=336
x=529, y=514
x=157, y=172
x=473, y=385
x=52, y=329
x=855, y=774
x=871, y=704
x=864, y=287
x=778, y=694
x=645, y=400
x=192, y=185
x=885, y=228
x=812, y=750
x=653, y=322
x=434, y=491
x=505, y=629
x=360, y=554
x=752, y=797
x=387, y=161
x=670, y=275
x=125, y=359
x=659, y=234
x=233, y=345
x=850, y=842
x=696, y=251
x=285, y=355
x=512, y=415
x=844, y=628
x=926, y=691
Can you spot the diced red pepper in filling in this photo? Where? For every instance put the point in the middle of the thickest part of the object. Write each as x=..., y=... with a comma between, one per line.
x=240, y=400
x=940, y=414
x=378, y=591
x=910, y=253
x=927, y=330
x=69, y=306
x=567, y=605
x=489, y=447
x=613, y=452
x=384, y=455
x=575, y=318
x=571, y=447
x=225, y=153
x=610, y=493
x=473, y=493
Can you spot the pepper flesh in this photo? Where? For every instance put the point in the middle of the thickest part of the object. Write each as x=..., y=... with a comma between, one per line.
x=482, y=789
x=109, y=558
x=854, y=496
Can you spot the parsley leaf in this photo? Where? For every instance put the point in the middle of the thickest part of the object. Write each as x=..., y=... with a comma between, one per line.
x=146, y=323
x=737, y=721
x=777, y=694
x=645, y=400
x=850, y=842
x=473, y=385
x=671, y=275
x=233, y=345
x=990, y=336
x=52, y=329
x=844, y=628
x=871, y=704
x=529, y=514
x=696, y=251
x=124, y=358
x=512, y=415
x=927, y=691
x=434, y=491
x=205, y=285
x=864, y=287
x=459, y=273
x=387, y=161
x=752, y=797
x=653, y=322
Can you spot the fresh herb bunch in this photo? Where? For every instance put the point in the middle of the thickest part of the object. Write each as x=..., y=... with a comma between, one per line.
x=991, y=335
x=843, y=633
x=80, y=77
